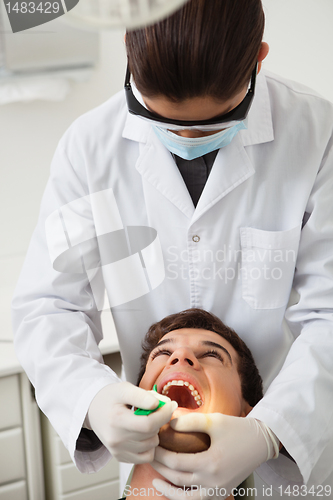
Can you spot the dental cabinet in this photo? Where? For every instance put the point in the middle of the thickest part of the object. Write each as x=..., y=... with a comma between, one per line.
x=34, y=464
x=21, y=471
x=62, y=480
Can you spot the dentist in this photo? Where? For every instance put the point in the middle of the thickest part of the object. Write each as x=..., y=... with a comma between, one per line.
x=205, y=183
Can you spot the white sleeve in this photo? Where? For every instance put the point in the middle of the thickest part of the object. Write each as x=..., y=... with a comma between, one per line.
x=298, y=405
x=57, y=325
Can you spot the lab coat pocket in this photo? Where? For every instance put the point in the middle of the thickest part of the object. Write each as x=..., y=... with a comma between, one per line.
x=268, y=266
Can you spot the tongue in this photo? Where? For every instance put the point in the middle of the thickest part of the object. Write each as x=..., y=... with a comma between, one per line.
x=183, y=397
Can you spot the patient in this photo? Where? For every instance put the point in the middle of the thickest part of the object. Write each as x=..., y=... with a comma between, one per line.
x=196, y=360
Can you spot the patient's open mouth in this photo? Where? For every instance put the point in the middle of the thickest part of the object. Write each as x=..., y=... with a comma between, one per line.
x=184, y=393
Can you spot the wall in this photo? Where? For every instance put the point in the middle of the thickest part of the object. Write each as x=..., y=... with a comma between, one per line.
x=300, y=37
x=29, y=133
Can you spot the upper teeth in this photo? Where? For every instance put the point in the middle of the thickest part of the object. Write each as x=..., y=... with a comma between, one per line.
x=194, y=392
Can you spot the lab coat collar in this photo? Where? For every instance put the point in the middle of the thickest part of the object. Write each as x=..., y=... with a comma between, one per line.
x=232, y=167
x=157, y=166
x=260, y=125
x=260, y=122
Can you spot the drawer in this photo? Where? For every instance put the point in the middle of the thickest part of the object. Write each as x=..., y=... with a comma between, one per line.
x=103, y=491
x=14, y=491
x=71, y=479
x=12, y=466
x=10, y=415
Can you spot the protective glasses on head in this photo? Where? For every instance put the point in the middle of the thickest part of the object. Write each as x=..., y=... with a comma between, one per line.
x=226, y=120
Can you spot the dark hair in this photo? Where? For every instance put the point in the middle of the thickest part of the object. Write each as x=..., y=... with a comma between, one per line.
x=207, y=48
x=251, y=381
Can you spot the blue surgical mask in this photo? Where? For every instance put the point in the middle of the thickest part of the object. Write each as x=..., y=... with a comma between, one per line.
x=189, y=148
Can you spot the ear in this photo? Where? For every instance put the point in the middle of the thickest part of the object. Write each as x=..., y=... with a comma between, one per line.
x=246, y=409
x=263, y=52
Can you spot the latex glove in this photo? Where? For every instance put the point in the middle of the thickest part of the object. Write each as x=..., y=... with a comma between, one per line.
x=129, y=438
x=238, y=446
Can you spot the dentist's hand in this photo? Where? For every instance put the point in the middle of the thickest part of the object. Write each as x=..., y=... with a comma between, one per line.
x=129, y=438
x=238, y=446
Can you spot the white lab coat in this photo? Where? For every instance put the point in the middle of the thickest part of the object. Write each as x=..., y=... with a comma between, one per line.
x=274, y=178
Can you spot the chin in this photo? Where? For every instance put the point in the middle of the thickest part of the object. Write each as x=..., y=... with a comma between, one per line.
x=183, y=442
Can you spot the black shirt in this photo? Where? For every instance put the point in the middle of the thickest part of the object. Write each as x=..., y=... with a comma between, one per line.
x=195, y=173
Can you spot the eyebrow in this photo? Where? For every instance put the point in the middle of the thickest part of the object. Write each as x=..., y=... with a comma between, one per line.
x=203, y=342
x=149, y=108
x=154, y=112
x=218, y=346
x=230, y=108
x=164, y=342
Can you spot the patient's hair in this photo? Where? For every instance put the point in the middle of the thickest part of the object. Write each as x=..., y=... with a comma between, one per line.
x=251, y=381
x=207, y=48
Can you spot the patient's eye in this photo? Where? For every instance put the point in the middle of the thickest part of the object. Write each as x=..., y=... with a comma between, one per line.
x=212, y=353
x=160, y=352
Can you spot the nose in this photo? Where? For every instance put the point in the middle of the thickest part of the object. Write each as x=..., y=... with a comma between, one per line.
x=188, y=133
x=183, y=356
x=192, y=134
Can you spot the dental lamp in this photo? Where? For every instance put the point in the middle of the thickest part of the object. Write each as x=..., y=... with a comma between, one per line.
x=130, y=14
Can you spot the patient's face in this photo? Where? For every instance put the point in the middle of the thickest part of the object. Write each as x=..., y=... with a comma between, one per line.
x=198, y=369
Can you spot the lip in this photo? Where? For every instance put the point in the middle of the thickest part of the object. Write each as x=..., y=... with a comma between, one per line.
x=182, y=376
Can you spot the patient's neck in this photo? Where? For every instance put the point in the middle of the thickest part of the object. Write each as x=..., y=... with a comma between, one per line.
x=142, y=479
x=141, y=483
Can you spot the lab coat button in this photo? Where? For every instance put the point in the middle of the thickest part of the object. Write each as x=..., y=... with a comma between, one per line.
x=196, y=238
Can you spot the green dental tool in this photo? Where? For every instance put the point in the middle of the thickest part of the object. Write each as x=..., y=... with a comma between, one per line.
x=139, y=411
